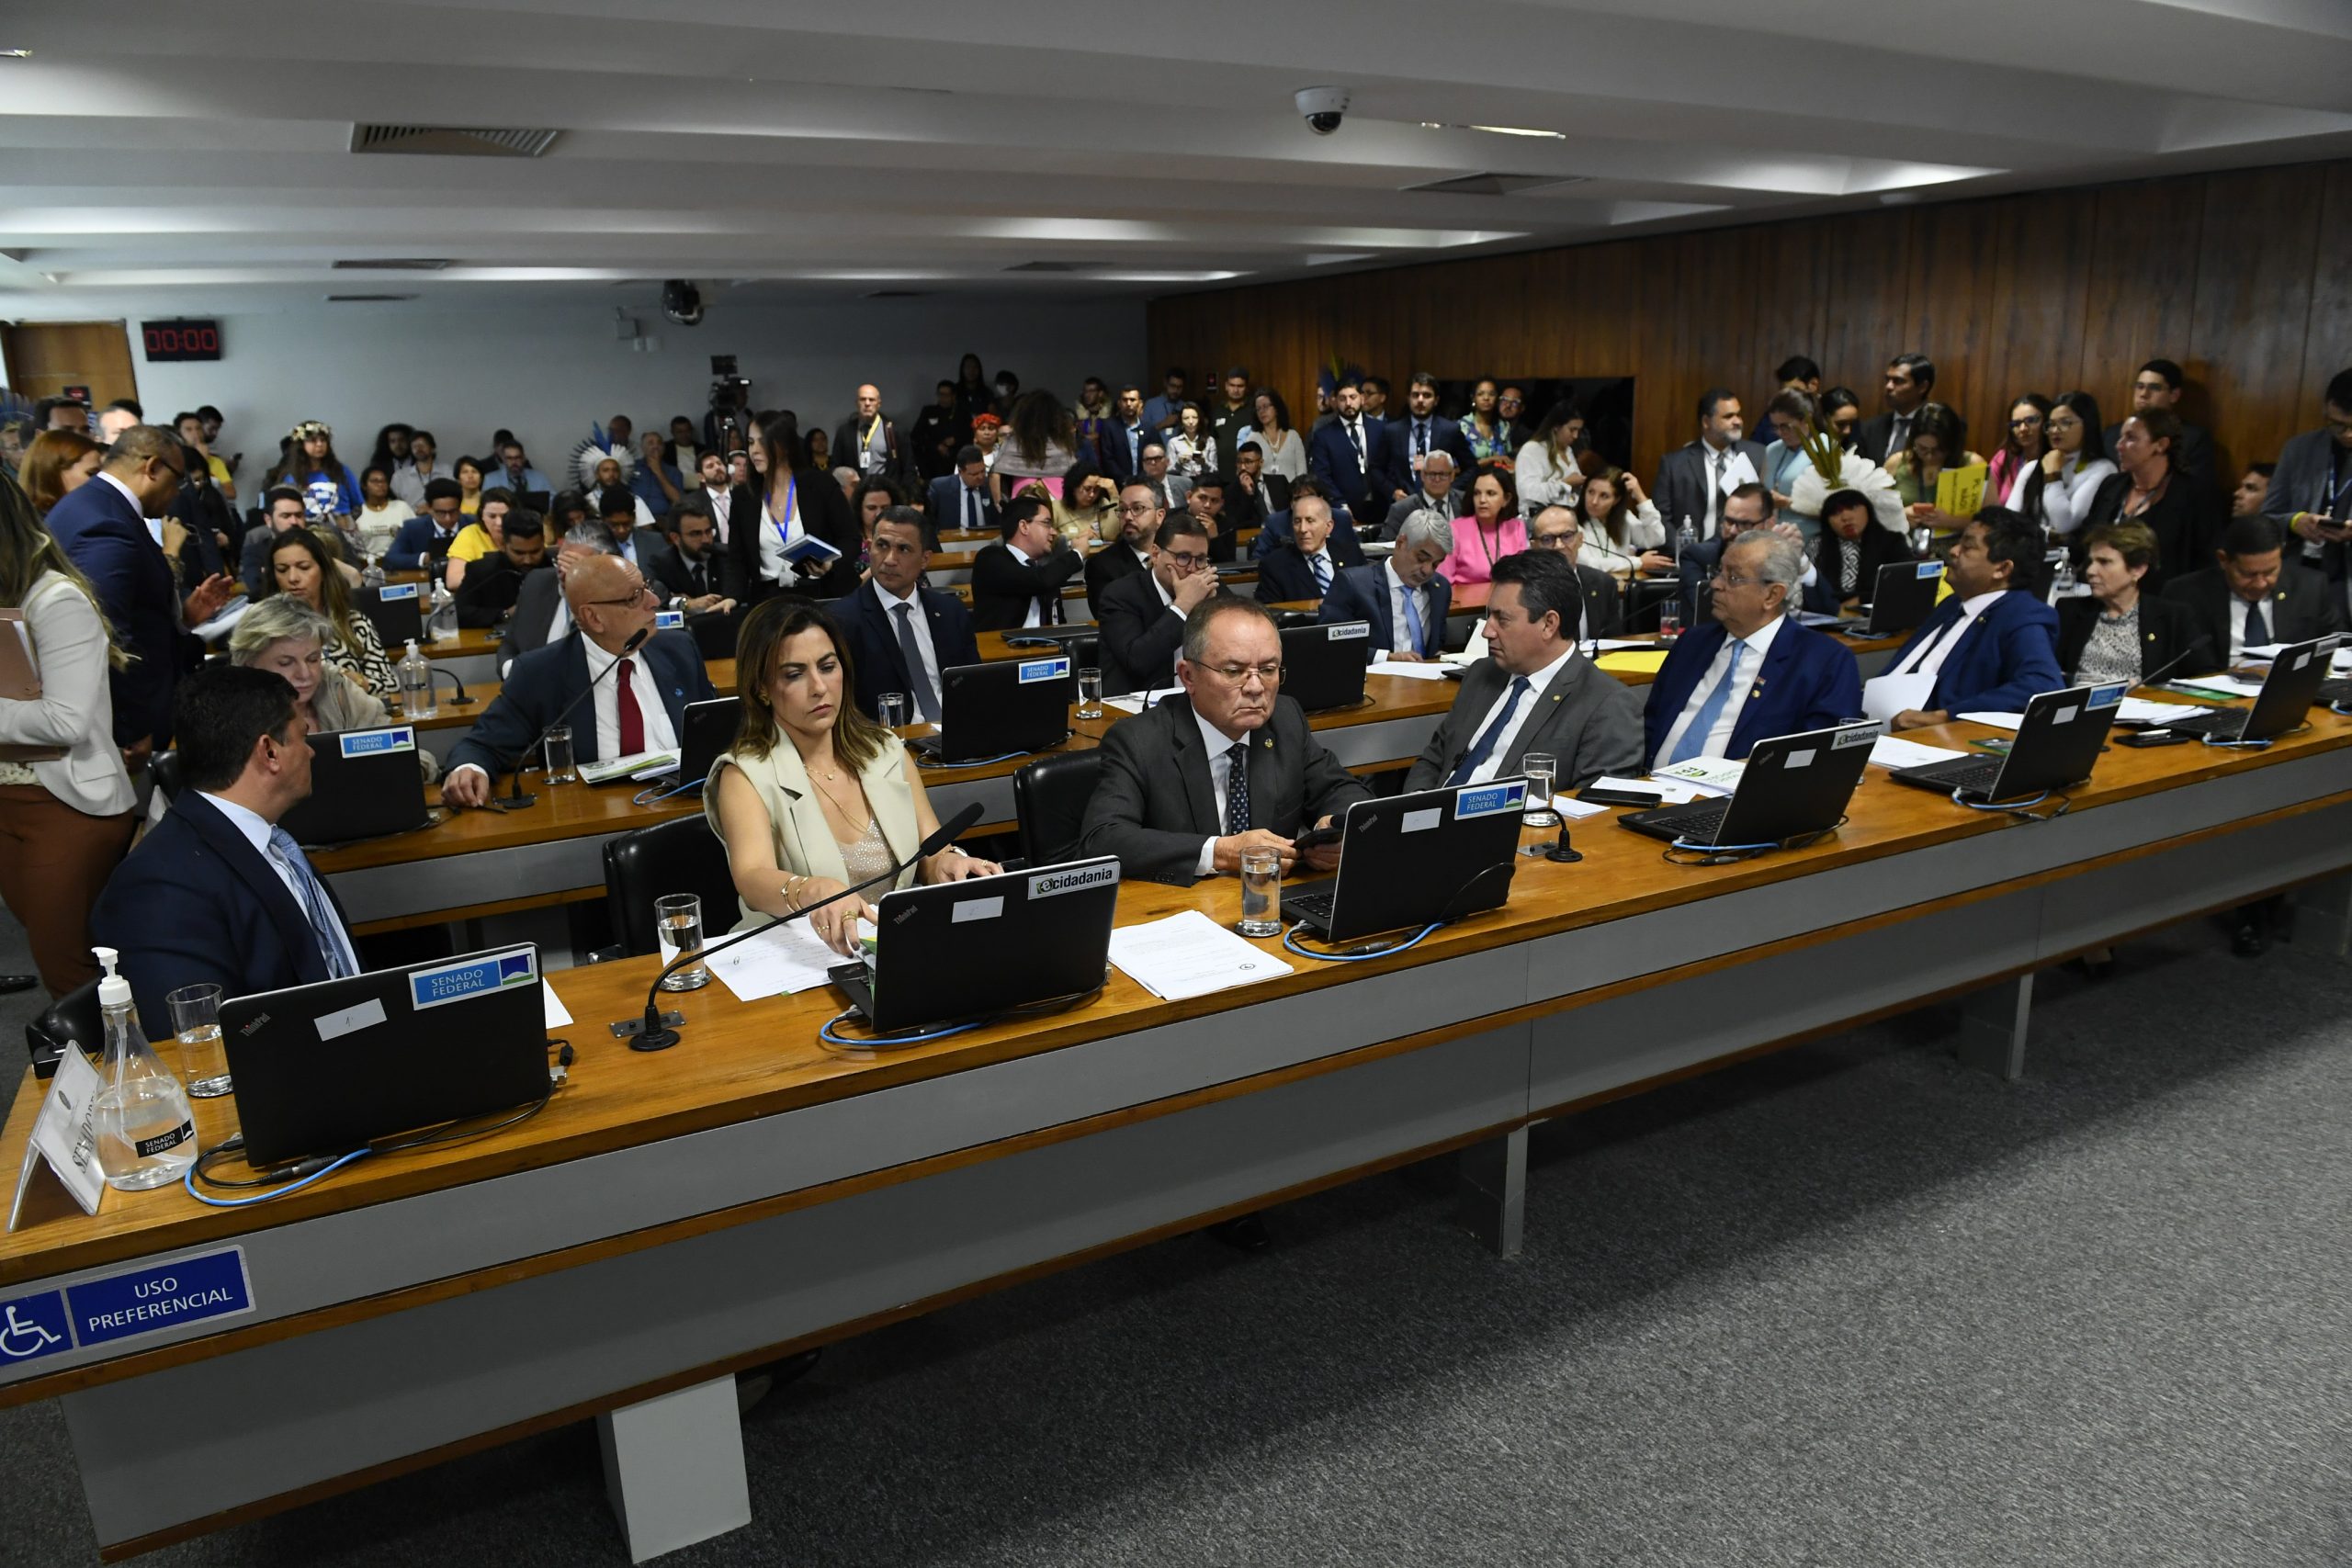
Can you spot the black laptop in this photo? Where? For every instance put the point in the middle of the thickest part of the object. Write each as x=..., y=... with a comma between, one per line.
x=2290, y=688
x=328, y=1068
x=1323, y=666
x=710, y=734
x=2058, y=741
x=1416, y=859
x=1901, y=598
x=1009, y=707
x=397, y=611
x=365, y=783
x=1795, y=787
x=934, y=960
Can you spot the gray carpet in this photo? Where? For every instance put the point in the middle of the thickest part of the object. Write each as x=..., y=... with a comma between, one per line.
x=1850, y=1304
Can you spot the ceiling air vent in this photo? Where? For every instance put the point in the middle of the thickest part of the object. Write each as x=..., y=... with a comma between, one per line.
x=366, y=298
x=390, y=264
x=1498, y=184
x=452, y=140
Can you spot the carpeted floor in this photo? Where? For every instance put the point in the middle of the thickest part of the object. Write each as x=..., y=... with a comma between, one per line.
x=1850, y=1304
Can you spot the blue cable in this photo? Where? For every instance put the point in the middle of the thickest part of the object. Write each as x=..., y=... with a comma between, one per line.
x=825, y=1032
x=187, y=1180
x=2237, y=745
x=1720, y=848
x=1290, y=942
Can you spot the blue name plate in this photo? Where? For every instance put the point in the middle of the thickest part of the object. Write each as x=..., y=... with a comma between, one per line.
x=446, y=983
x=2105, y=697
x=1035, y=669
x=157, y=1296
x=374, y=743
x=1931, y=568
x=668, y=620
x=1487, y=801
x=391, y=590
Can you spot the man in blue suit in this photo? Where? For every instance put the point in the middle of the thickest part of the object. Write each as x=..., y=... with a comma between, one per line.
x=1351, y=456
x=1402, y=597
x=1422, y=430
x=1993, y=644
x=216, y=893
x=901, y=634
x=102, y=528
x=1753, y=674
x=423, y=542
x=960, y=500
x=1345, y=545
x=640, y=707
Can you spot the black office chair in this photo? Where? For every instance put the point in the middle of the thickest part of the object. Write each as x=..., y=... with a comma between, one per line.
x=1085, y=652
x=166, y=766
x=683, y=856
x=72, y=1021
x=1049, y=800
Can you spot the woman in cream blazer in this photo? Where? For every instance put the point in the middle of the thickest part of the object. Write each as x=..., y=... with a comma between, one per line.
x=815, y=797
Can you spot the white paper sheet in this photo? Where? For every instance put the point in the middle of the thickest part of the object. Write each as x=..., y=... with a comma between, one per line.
x=221, y=624
x=780, y=960
x=2008, y=721
x=1134, y=702
x=2340, y=664
x=1576, y=810
x=558, y=1014
x=1740, y=471
x=2232, y=685
x=1190, y=955
x=1672, y=791
x=1891, y=751
x=2140, y=710
x=1884, y=697
x=1411, y=672
x=1709, y=775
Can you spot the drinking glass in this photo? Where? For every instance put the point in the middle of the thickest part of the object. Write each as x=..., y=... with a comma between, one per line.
x=1670, y=621
x=561, y=768
x=1541, y=768
x=1089, y=693
x=677, y=921
x=891, y=709
x=196, y=1019
x=1261, y=892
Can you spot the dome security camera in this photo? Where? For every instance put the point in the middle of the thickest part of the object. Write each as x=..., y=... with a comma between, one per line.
x=1322, y=107
x=682, y=302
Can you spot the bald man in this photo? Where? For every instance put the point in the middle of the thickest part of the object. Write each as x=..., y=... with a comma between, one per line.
x=869, y=442
x=636, y=708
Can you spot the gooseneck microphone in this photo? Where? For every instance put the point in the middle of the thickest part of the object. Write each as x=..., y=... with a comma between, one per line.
x=653, y=1034
x=515, y=799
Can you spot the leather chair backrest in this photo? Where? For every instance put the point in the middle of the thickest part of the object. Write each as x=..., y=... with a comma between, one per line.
x=166, y=766
x=69, y=1021
x=1050, y=798
x=682, y=856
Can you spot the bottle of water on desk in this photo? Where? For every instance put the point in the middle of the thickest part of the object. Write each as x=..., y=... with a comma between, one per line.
x=415, y=671
x=1686, y=539
x=443, y=621
x=146, y=1132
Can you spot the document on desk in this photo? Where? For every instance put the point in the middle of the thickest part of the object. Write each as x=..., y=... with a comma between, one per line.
x=781, y=960
x=1576, y=810
x=1670, y=792
x=2341, y=664
x=1407, y=668
x=1135, y=702
x=558, y=1014
x=2140, y=710
x=1709, y=775
x=1888, y=751
x=2206, y=685
x=1190, y=955
x=1884, y=697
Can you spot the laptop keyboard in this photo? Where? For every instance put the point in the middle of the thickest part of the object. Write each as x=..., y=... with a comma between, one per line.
x=2332, y=693
x=1701, y=821
x=1316, y=907
x=1966, y=773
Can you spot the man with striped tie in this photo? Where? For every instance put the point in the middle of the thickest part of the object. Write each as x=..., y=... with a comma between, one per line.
x=1301, y=568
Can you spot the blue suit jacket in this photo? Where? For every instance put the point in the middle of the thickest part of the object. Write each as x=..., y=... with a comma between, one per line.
x=947, y=503
x=2006, y=657
x=543, y=681
x=1361, y=593
x=1333, y=461
x=1807, y=682
x=194, y=903
x=874, y=642
x=1345, y=543
x=105, y=536
x=414, y=540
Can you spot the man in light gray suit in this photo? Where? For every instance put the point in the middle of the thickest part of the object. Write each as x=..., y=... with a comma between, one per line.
x=1534, y=692
x=1690, y=479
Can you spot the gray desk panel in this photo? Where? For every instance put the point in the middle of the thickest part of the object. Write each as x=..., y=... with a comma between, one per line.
x=1382, y=740
x=468, y=668
x=451, y=881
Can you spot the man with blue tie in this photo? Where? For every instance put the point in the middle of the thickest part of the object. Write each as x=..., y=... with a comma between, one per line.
x=1753, y=674
x=1302, y=568
x=1993, y=644
x=1534, y=692
x=1402, y=597
x=1350, y=456
x=901, y=634
x=960, y=500
x=217, y=893
x=1418, y=434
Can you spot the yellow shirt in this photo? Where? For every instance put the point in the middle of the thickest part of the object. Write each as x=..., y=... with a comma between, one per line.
x=220, y=475
x=472, y=543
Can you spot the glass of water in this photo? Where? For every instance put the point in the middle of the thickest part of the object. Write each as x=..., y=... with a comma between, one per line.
x=890, y=707
x=1089, y=693
x=1541, y=768
x=1670, y=621
x=196, y=1019
x=561, y=767
x=677, y=921
x=1262, y=894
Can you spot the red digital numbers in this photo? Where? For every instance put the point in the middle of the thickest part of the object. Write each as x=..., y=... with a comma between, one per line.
x=181, y=339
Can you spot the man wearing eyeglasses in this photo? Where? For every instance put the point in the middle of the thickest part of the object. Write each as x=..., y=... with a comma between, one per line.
x=634, y=709
x=1143, y=611
x=1228, y=767
x=1130, y=554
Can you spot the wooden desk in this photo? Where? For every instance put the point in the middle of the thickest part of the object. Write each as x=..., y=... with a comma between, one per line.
x=472, y=655
x=687, y=1215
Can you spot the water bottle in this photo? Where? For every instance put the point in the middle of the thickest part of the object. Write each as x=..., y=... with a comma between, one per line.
x=415, y=671
x=1686, y=539
x=372, y=574
x=146, y=1133
x=443, y=621
x=1923, y=542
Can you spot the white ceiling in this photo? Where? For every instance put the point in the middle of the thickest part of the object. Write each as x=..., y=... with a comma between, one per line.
x=159, y=155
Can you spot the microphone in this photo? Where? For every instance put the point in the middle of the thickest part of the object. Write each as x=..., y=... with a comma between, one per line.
x=654, y=1032
x=461, y=699
x=2165, y=668
x=515, y=799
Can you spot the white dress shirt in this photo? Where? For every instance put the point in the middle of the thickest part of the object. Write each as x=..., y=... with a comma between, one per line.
x=1718, y=739
x=1036, y=615
x=1400, y=632
x=721, y=501
x=136, y=504
x=659, y=736
x=1362, y=442
x=775, y=539
x=256, y=832
x=1539, y=682
x=1930, y=660
x=921, y=624
x=1219, y=747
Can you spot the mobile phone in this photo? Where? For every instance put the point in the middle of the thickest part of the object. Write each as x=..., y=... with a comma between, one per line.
x=1316, y=837
x=2155, y=738
x=1600, y=796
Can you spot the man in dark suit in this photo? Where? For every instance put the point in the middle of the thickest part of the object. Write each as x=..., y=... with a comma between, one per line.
x=1140, y=514
x=869, y=442
x=1556, y=528
x=2310, y=493
x=1303, y=566
x=1420, y=431
x=637, y=697
x=1170, y=804
x=1352, y=458
x=541, y=614
x=729, y=502
x=1746, y=508
x=1690, y=479
x=1402, y=597
x=687, y=565
x=2248, y=598
x=1018, y=582
x=1255, y=495
x=2158, y=385
x=1345, y=543
x=492, y=583
x=1910, y=382
x=960, y=500
x=216, y=893
x=1753, y=672
x=1534, y=692
x=1432, y=492
x=423, y=541
x=1993, y=644
x=1854, y=547
x=102, y=528
x=1143, y=611
x=1126, y=436
x=901, y=634
x=935, y=434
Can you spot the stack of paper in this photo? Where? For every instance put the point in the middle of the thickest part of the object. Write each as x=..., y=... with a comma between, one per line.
x=1709, y=775
x=1672, y=791
x=1135, y=702
x=780, y=960
x=1189, y=956
x=1408, y=669
x=1576, y=810
x=1890, y=753
x=2204, y=686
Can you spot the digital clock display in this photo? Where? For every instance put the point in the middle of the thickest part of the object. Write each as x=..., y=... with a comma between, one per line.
x=181, y=340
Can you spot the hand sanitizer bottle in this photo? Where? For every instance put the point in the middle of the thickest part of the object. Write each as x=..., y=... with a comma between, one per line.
x=146, y=1132
x=415, y=672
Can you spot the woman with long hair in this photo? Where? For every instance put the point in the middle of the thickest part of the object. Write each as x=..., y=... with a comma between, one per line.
x=1192, y=450
x=2149, y=488
x=302, y=567
x=1545, y=468
x=974, y=396
x=2013, y=477
x=1622, y=532
x=1493, y=529
x=814, y=796
x=1040, y=442
x=58, y=463
x=329, y=487
x=2074, y=467
x=468, y=474
x=797, y=503
x=65, y=819
x=1483, y=427
x=1285, y=450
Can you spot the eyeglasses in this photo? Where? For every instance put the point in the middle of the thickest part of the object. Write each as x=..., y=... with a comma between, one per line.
x=1728, y=581
x=2026, y=423
x=1145, y=510
x=643, y=592
x=1238, y=675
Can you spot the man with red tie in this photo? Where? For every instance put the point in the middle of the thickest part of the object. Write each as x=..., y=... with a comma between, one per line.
x=638, y=698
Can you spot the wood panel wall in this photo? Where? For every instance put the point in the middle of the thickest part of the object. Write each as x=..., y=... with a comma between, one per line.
x=2245, y=277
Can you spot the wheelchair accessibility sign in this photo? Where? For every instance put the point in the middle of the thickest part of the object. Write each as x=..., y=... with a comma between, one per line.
x=32, y=1327
x=128, y=1303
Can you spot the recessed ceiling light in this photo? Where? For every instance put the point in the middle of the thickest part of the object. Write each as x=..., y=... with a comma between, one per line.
x=16, y=54
x=1497, y=129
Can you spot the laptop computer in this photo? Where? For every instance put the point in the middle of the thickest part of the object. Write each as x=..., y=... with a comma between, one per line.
x=397, y=612
x=1416, y=859
x=707, y=735
x=1901, y=596
x=1796, y=787
x=327, y=1068
x=2057, y=742
x=365, y=783
x=962, y=950
x=2290, y=688
x=1323, y=666
x=1009, y=707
